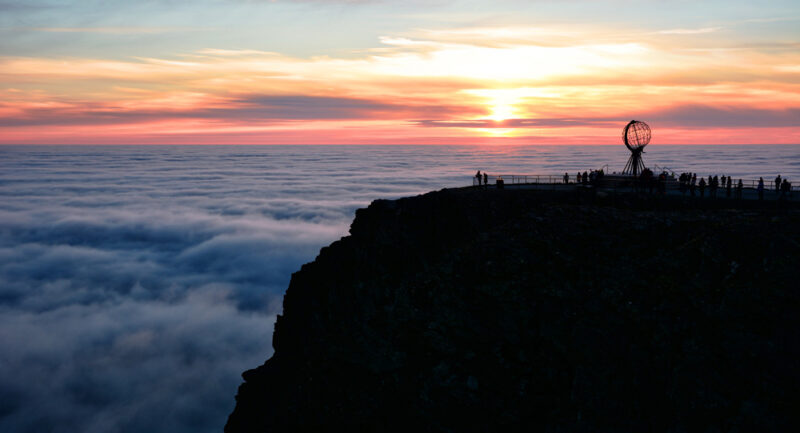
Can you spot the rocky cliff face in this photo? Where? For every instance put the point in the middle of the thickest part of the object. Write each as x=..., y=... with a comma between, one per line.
x=472, y=310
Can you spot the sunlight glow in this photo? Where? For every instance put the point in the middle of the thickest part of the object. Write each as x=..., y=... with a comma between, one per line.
x=498, y=132
x=424, y=86
x=501, y=112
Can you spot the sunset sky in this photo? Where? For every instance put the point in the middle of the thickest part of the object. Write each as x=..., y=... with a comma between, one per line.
x=385, y=72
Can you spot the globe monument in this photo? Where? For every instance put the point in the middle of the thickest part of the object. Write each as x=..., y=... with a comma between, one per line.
x=636, y=135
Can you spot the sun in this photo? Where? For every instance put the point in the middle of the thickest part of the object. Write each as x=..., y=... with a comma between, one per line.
x=501, y=112
x=501, y=103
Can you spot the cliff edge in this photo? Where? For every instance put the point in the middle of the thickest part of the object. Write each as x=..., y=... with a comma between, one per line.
x=474, y=311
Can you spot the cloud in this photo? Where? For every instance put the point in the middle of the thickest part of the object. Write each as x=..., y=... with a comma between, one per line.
x=518, y=123
x=134, y=290
x=138, y=319
x=114, y=30
x=313, y=107
x=446, y=77
x=137, y=284
x=685, y=116
x=699, y=116
x=253, y=109
x=770, y=19
x=698, y=31
x=20, y=6
x=127, y=366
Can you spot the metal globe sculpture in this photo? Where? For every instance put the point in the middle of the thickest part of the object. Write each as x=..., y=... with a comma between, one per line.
x=636, y=136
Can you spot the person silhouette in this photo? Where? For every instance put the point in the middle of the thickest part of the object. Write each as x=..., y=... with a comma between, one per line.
x=760, y=188
x=478, y=176
x=713, y=185
x=739, y=188
x=682, y=183
x=485, y=179
x=566, y=177
x=728, y=187
x=702, y=186
x=778, y=184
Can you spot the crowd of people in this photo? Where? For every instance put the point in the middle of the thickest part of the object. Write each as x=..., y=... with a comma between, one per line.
x=783, y=188
x=482, y=176
x=591, y=177
x=648, y=180
x=687, y=183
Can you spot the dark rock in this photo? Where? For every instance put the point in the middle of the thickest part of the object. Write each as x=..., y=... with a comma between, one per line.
x=485, y=310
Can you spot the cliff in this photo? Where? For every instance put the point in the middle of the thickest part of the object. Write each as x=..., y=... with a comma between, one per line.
x=475, y=311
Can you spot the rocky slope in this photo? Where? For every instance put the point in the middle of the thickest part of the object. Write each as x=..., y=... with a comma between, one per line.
x=475, y=311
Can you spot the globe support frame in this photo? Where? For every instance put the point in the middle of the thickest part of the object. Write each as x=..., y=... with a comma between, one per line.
x=635, y=164
x=641, y=138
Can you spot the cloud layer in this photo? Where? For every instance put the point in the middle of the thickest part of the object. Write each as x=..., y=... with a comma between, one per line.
x=135, y=288
x=137, y=283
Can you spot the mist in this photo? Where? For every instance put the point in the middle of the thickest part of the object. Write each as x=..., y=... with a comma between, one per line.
x=138, y=283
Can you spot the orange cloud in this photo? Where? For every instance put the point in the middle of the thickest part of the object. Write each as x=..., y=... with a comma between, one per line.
x=426, y=87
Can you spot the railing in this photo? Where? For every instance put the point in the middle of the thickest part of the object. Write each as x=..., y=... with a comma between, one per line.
x=523, y=178
x=658, y=169
x=554, y=180
x=769, y=185
x=526, y=179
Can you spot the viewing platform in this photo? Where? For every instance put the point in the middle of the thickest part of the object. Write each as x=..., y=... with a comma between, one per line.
x=619, y=183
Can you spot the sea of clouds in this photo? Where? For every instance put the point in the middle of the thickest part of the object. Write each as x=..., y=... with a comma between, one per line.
x=137, y=283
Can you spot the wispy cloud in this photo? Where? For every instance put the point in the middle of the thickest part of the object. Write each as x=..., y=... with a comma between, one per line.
x=705, y=116
x=520, y=123
x=686, y=116
x=116, y=30
x=699, y=31
x=21, y=6
x=771, y=19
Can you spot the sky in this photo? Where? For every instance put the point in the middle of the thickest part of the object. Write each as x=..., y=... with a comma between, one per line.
x=391, y=72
